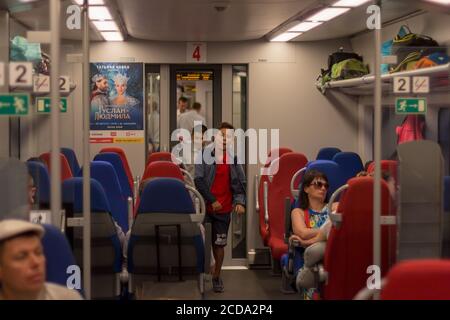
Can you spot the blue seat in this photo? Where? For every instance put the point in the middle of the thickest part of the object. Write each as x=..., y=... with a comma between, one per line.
x=333, y=172
x=106, y=249
x=71, y=159
x=104, y=173
x=327, y=153
x=58, y=255
x=447, y=193
x=350, y=164
x=117, y=163
x=41, y=178
x=165, y=202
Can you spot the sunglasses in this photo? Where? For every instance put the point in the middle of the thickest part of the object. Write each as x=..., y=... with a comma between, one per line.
x=320, y=184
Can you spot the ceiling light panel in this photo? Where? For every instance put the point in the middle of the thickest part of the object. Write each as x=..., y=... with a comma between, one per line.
x=112, y=36
x=327, y=14
x=304, y=26
x=350, y=3
x=99, y=13
x=285, y=37
x=106, y=25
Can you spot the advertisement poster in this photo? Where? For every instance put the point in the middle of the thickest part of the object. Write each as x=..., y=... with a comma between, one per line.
x=117, y=103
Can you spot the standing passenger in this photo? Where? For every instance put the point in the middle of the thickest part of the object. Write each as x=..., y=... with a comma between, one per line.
x=222, y=185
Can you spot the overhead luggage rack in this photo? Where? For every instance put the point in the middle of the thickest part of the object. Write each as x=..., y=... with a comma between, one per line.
x=439, y=81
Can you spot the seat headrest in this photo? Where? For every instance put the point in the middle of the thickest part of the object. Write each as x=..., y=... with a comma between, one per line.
x=331, y=170
x=162, y=169
x=72, y=193
x=71, y=159
x=350, y=163
x=327, y=153
x=276, y=153
x=165, y=195
x=287, y=165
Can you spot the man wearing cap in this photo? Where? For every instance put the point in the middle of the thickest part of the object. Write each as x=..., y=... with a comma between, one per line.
x=22, y=265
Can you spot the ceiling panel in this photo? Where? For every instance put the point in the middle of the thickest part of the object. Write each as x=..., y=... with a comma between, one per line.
x=198, y=20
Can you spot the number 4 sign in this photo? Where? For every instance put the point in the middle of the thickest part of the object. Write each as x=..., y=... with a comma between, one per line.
x=196, y=52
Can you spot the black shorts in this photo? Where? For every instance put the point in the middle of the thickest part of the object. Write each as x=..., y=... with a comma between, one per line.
x=219, y=227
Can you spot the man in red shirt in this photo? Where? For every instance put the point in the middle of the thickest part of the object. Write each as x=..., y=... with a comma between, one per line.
x=222, y=184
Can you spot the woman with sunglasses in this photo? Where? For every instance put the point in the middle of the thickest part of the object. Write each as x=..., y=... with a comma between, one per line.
x=310, y=223
x=310, y=213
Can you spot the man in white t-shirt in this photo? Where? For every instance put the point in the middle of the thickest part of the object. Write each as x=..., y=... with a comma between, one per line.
x=182, y=107
x=187, y=120
x=22, y=264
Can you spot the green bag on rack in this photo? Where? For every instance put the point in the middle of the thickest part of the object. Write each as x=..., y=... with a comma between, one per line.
x=22, y=50
x=348, y=69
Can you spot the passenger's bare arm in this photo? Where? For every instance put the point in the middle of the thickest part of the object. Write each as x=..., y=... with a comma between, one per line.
x=299, y=227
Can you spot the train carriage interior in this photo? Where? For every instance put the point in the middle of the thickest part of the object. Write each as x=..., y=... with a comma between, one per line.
x=226, y=150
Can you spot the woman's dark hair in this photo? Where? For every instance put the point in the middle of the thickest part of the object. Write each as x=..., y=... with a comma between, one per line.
x=308, y=177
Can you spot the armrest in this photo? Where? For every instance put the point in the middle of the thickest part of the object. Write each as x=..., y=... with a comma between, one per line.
x=266, y=207
x=287, y=219
x=336, y=218
x=256, y=193
x=189, y=177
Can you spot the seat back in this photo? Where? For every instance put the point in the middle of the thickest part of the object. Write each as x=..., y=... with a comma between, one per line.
x=420, y=235
x=41, y=179
x=165, y=204
x=446, y=220
x=279, y=189
x=350, y=164
x=333, y=172
x=104, y=173
x=106, y=249
x=264, y=232
x=327, y=153
x=115, y=160
x=124, y=159
x=159, y=156
x=58, y=255
x=162, y=169
x=349, y=250
x=66, y=172
x=276, y=153
x=71, y=159
x=418, y=280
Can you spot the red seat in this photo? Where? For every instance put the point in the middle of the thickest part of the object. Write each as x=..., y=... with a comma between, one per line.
x=162, y=169
x=124, y=159
x=349, y=249
x=66, y=172
x=159, y=169
x=279, y=189
x=418, y=280
x=263, y=230
x=159, y=156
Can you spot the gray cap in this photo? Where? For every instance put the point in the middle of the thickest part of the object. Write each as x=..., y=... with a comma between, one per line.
x=10, y=228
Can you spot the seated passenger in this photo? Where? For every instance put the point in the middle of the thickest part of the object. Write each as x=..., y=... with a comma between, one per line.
x=22, y=265
x=310, y=221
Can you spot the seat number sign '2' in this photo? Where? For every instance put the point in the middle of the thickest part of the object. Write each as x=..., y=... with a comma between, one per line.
x=196, y=52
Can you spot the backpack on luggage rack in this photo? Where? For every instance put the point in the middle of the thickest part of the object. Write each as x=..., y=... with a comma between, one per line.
x=342, y=65
x=411, y=47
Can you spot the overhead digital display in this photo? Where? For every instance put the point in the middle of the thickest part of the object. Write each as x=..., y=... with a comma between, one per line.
x=195, y=76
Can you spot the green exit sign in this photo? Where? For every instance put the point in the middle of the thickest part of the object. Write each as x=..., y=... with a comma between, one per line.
x=14, y=104
x=43, y=105
x=411, y=106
